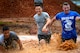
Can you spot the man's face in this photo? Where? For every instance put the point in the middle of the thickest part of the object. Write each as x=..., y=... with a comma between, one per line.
x=66, y=8
x=38, y=10
x=6, y=34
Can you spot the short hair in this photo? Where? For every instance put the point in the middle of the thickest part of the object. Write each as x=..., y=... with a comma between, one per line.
x=38, y=5
x=65, y=3
x=5, y=28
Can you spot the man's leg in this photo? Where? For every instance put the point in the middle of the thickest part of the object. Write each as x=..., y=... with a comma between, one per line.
x=47, y=38
x=41, y=39
x=74, y=39
x=63, y=40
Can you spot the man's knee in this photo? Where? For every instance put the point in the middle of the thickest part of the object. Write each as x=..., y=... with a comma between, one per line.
x=42, y=42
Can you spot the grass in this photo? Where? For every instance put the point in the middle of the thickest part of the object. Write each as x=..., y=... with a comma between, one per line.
x=5, y=23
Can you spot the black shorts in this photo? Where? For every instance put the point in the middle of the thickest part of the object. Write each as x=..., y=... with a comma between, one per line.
x=45, y=37
x=74, y=39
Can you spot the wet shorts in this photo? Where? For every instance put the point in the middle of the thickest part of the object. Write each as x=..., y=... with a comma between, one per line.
x=45, y=37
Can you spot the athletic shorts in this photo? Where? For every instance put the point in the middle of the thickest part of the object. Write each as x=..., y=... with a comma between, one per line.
x=74, y=39
x=45, y=37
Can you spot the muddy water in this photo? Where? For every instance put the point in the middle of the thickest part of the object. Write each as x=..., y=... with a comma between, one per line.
x=31, y=45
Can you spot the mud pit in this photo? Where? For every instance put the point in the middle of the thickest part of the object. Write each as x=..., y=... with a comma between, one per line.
x=31, y=45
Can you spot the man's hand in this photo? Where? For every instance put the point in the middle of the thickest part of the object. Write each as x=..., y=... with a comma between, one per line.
x=3, y=50
x=45, y=30
x=78, y=18
x=20, y=44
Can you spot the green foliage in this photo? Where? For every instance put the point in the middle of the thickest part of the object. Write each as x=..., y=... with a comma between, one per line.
x=5, y=23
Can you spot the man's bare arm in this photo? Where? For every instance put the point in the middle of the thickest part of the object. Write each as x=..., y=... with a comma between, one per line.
x=48, y=23
x=78, y=18
x=2, y=49
x=53, y=19
x=20, y=44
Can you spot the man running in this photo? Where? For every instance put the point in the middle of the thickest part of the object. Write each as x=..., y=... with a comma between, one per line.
x=41, y=19
x=8, y=40
x=68, y=19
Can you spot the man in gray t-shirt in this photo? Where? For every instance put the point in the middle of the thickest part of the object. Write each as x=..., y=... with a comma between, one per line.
x=9, y=39
x=41, y=19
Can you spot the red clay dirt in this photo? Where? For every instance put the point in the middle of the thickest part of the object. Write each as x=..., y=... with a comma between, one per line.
x=25, y=8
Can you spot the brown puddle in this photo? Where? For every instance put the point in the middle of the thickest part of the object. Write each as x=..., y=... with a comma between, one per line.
x=32, y=46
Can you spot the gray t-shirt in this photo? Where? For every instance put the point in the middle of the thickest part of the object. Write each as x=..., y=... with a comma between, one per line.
x=38, y=1
x=8, y=41
x=41, y=21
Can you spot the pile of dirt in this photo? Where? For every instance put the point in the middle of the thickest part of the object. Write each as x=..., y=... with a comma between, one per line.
x=25, y=8
x=68, y=45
